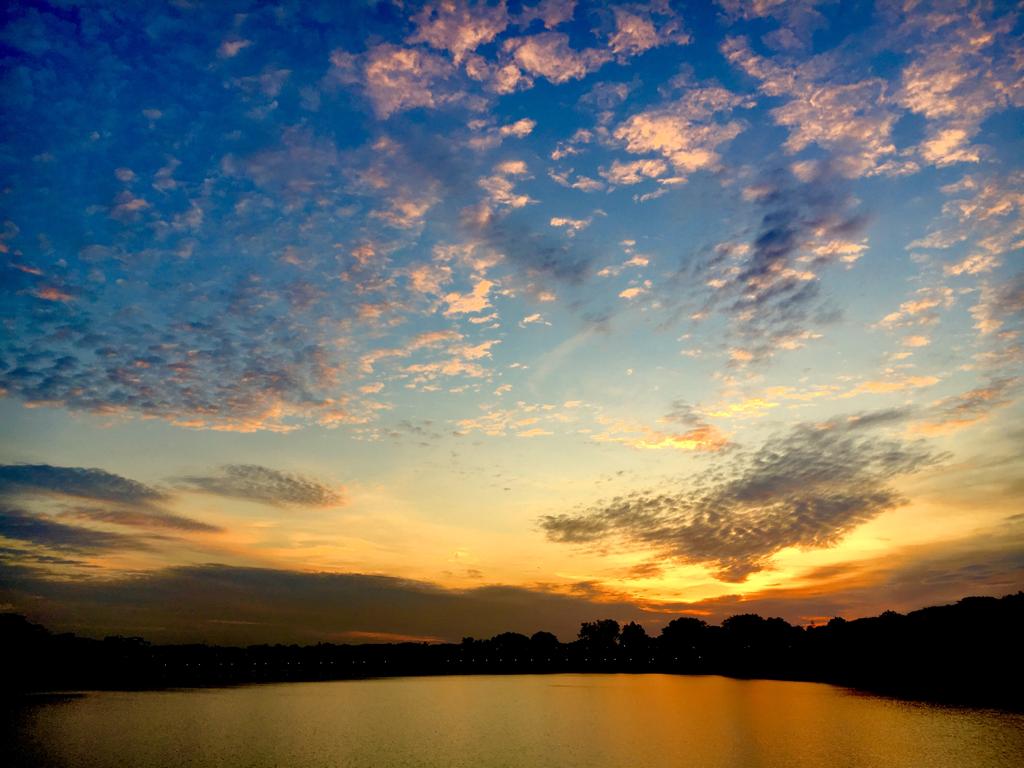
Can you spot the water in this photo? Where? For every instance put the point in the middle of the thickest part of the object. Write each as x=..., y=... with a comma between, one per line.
x=597, y=721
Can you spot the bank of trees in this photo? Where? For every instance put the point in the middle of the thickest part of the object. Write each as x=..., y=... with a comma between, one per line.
x=968, y=652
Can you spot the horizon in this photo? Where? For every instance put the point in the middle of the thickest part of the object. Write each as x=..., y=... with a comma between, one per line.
x=370, y=638
x=428, y=320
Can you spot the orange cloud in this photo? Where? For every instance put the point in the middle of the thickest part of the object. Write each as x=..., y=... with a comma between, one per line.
x=881, y=387
x=49, y=293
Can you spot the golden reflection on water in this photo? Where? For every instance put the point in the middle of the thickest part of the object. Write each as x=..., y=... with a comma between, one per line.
x=598, y=721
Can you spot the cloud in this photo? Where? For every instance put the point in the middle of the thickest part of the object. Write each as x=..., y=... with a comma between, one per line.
x=406, y=209
x=93, y=484
x=984, y=213
x=798, y=18
x=429, y=279
x=999, y=305
x=769, y=288
x=695, y=433
x=963, y=410
x=549, y=55
x=232, y=47
x=890, y=384
x=424, y=340
x=551, y=12
x=537, y=255
x=298, y=163
x=851, y=119
x=958, y=74
x=138, y=518
x=125, y=502
x=500, y=187
x=398, y=79
x=237, y=605
x=807, y=488
x=687, y=131
x=52, y=293
x=223, y=354
x=974, y=264
x=498, y=422
x=520, y=128
x=500, y=230
x=535, y=319
x=571, y=226
x=634, y=291
x=920, y=310
x=634, y=172
x=264, y=485
x=459, y=27
x=475, y=301
x=903, y=580
x=637, y=31
x=493, y=136
x=884, y=417
x=43, y=531
x=702, y=438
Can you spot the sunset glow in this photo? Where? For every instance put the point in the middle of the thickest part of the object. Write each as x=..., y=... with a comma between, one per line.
x=365, y=321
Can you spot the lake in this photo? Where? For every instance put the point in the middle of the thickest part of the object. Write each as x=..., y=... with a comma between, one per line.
x=596, y=721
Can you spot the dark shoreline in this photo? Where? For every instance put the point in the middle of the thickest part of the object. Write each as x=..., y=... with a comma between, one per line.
x=965, y=654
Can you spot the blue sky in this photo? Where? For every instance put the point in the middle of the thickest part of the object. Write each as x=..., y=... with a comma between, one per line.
x=668, y=306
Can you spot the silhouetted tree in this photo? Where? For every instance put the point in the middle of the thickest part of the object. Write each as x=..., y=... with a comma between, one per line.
x=684, y=642
x=510, y=640
x=544, y=643
x=600, y=636
x=633, y=638
x=684, y=632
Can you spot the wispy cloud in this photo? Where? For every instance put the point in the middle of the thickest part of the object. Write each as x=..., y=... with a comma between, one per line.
x=94, y=484
x=43, y=531
x=965, y=409
x=264, y=485
x=109, y=498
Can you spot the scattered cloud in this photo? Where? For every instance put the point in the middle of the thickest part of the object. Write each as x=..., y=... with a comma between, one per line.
x=851, y=119
x=686, y=132
x=968, y=408
x=637, y=30
x=232, y=47
x=251, y=482
x=459, y=27
x=922, y=309
x=634, y=172
x=958, y=74
x=999, y=305
x=475, y=301
x=550, y=56
x=398, y=78
x=769, y=288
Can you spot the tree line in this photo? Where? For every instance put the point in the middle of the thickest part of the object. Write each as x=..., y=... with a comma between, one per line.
x=968, y=652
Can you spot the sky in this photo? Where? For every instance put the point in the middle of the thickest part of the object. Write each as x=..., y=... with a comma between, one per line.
x=361, y=321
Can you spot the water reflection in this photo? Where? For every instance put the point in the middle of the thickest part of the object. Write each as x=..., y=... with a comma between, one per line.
x=523, y=720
